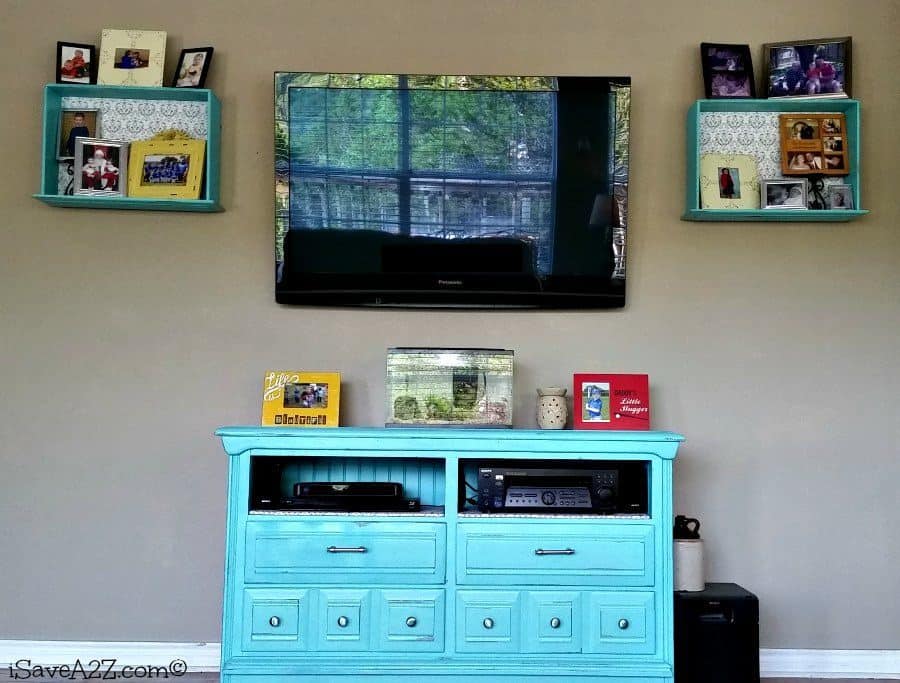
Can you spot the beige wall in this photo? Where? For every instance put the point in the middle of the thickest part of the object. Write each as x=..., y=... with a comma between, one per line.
x=127, y=337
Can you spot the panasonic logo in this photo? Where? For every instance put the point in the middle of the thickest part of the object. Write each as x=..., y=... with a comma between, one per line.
x=450, y=283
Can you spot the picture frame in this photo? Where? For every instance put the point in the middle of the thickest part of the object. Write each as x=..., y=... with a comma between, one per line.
x=192, y=67
x=840, y=197
x=131, y=57
x=167, y=169
x=100, y=167
x=729, y=181
x=76, y=63
x=814, y=144
x=297, y=398
x=792, y=68
x=784, y=193
x=727, y=70
x=75, y=123
x=611, y=401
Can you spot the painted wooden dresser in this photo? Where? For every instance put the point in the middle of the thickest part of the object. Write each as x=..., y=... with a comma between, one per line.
x=447, y=593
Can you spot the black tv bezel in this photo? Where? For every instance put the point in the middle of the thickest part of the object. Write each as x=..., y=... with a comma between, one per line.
x=467, y=291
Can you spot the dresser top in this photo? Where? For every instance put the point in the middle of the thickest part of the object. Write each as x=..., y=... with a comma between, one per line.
x=240, y=439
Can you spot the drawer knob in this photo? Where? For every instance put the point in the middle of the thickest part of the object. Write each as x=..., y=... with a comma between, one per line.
x=411, y=621
x=274, y=622
x=488, y=622
x=623, y=624
x=555, y=622
x=343, y=621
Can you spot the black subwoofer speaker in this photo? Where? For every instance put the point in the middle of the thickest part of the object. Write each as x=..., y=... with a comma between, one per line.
x=717, y=635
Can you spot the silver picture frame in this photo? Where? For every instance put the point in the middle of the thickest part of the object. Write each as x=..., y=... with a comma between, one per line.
x=109, y=179
x=771, y=197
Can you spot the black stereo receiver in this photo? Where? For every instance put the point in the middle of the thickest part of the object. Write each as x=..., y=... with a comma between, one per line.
x=603, y=488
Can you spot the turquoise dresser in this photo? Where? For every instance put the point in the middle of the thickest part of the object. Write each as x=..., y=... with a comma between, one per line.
x=447, y=593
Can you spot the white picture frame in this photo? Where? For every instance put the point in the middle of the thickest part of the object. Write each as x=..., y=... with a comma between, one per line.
x=131, y=57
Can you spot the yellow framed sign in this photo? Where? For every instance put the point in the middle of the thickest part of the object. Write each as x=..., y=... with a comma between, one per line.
x=301, y=399
x=166, y=169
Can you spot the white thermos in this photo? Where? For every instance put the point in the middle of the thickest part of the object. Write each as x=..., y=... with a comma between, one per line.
x=688, y=552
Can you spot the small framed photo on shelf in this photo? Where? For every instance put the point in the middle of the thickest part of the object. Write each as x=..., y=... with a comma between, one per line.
x=611, y=401
x=100, y=167
x=296, y=398
x=193, y=66
x=840, y=197
x=74, y=124
x=76, y=63
x=129, y=57
x=729, y=181
x=781, y=193
x=808, y=68
x=166, y=169
x=727, y=70
x=813, y=144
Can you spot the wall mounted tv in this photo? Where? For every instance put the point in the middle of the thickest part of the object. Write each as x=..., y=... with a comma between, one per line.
x=454, y=191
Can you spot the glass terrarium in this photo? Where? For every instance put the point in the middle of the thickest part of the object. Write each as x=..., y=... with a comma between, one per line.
x=449, y=387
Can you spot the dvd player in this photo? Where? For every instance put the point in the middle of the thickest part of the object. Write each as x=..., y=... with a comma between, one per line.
x=350, y=496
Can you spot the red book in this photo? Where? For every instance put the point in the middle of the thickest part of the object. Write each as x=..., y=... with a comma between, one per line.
x=607, y=401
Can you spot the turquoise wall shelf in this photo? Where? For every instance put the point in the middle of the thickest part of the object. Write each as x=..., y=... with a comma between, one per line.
x=49, y=190
x=693, y=212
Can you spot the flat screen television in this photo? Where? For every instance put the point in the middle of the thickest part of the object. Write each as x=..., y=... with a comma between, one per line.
x=454, y=191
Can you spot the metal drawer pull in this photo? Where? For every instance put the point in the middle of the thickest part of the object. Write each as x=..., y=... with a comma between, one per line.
x=488, y=622
x=411, y=621
x=275, y=622
x=555, y=622
x=563, y=551
x=343, y=621
x=335, y=549
x=623, y=624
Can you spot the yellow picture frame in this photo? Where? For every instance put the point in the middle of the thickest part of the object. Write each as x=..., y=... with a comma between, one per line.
x=294, y=398
x=155, y=169
x=131, y=57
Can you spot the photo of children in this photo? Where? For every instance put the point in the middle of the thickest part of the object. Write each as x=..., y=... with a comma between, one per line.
x=727, y=70
x=74, y=63
x=808, y=70
x=100, y=171
x=595, y=401
x=131, y=58
x=306, y=396
x=191, y=70
x=840, y=197
x=784, y=194
x=169, y=169
x=75, y=124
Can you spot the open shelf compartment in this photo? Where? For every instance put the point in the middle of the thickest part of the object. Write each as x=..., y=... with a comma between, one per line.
x=53, y=103
x=693, y=212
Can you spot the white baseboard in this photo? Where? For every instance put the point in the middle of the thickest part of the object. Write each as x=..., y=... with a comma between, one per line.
x=204, y=657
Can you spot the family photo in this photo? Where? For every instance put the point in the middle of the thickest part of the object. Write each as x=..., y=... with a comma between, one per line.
x=784, y=194
x=306, y=396
x=193, y=67
x=808, y=70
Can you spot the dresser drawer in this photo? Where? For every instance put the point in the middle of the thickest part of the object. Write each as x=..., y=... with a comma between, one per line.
x=553, y=553
x=275, y=620
x=344, y=552
x=488, y=621
x=620, y=623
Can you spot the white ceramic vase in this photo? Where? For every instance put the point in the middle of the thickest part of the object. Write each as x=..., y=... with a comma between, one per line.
x=551, y=408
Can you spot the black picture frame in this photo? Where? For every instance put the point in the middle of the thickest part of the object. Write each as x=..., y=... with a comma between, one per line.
x=846, y=44
x=201, y=82
x=712, y=70
x=91, y=63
